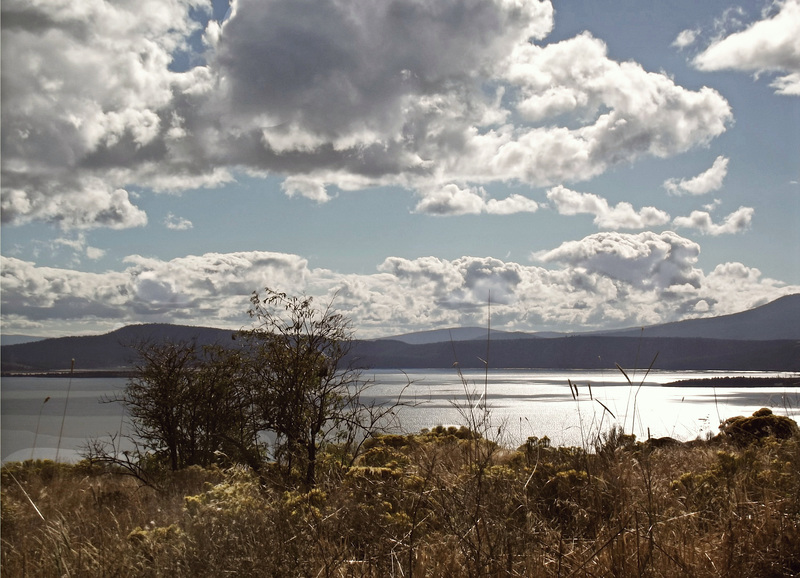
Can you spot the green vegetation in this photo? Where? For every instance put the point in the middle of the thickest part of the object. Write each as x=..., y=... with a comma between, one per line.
x=445, y=502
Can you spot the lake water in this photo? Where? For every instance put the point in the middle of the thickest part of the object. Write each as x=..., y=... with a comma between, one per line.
x=519, y=404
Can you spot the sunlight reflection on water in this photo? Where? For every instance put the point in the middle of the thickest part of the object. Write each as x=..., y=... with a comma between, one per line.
x=521, y=403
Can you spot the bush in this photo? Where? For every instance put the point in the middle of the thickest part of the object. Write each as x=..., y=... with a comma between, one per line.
x=763, y=423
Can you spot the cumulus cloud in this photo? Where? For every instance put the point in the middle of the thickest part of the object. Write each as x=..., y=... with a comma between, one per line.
x=88, y=104
x=706, y=182
x=205, y=289
x=511, y=205
x=644, y=260
x=737, y=222
x=177, y=223
x=40, y=293
x=769, y=45
x=415, y=94
x=621, y=216
x=628, y=111
x=453, y=200
x=84, y=205
x=609, y=279
x=306, y=187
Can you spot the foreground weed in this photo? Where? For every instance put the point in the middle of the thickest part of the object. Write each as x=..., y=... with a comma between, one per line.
x=446, y=502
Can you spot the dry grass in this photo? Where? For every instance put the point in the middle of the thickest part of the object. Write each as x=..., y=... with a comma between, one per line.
x=441, y=503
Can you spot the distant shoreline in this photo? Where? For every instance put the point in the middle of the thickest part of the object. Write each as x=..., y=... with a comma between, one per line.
x=736, y=381
x=66, y=373
x=724, y=381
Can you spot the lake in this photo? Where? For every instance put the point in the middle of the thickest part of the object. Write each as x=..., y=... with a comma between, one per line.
x=519, y=404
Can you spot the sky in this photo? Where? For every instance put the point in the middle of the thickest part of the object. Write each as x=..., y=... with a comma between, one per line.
x=578, y=165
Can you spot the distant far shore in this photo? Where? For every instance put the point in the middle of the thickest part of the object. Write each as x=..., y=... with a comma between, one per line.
x=723, y=381
x=737, y=381
x=66, y=373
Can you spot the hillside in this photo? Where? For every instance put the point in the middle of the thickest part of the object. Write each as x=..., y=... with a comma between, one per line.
x=779, y=319
x=765, y=338
x=588, y=352
x=109, y=351
x=459, y=334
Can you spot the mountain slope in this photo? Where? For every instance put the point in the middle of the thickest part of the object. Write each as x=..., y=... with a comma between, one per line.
x=587, y=352
x=779, y=319
x=459, y=334
x=109, y=351
x=766, y=338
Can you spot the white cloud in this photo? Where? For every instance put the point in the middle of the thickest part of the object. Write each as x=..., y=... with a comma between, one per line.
x=621, y=216
x=210, y=289
x=706, y=182
x=87, y=92
x=95, y=253
x=686, y=38
x=77, y=243
x=84, y=205
x=629, y=111
x=451, y=200
x=737, y=222
x=738, y=287
x=416, y=94
x=644, y=260
x=769, y=45
x=511, y=205
x=43, y=293
x=605, y=280
x=177, y=223
x=305, y=187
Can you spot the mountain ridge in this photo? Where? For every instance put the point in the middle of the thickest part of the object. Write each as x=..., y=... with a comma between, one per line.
x=778, y=319
x=678, y=345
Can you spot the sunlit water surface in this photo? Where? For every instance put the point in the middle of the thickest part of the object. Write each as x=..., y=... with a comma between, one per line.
x=512, y=404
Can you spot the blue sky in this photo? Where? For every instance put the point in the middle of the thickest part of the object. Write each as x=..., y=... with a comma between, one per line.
x=583, y=165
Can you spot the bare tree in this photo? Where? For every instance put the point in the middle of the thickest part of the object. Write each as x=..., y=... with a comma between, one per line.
x=304, y=389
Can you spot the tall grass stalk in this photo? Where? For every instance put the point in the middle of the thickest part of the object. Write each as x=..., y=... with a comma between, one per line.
x=66, y=403
x=38, y=422
x=638, y=389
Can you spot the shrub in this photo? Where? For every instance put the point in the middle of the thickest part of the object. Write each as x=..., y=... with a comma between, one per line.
x=763, y=423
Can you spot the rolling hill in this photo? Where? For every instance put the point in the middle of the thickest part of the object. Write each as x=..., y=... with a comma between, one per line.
x=764, y=338
x=779, y=319
x=110, y=351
